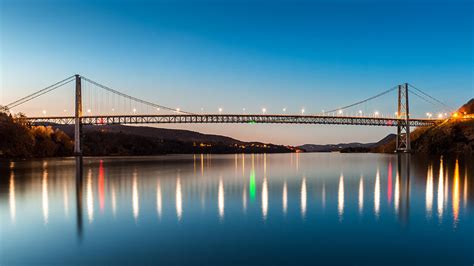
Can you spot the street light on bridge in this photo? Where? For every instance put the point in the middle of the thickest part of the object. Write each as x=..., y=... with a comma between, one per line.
x=376, y=113
x=264, y=110
x=220, y=110
x=302, y=111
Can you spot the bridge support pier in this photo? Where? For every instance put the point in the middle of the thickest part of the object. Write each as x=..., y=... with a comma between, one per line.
x=78, y=118
x=403, y=114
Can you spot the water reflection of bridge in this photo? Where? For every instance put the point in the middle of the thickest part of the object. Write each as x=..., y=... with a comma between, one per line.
x=401, y=193
x=442, y=195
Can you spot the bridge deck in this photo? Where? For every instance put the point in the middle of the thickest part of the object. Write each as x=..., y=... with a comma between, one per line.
x=232, y=118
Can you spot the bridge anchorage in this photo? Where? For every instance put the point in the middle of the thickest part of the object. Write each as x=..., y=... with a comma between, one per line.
x=401, y=120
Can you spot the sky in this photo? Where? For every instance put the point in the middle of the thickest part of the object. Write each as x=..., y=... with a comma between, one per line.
x=204, y=55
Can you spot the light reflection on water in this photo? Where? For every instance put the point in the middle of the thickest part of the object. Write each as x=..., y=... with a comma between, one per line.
x=429, y=191
x=221, y=199
x=456, y=199
x=90, y=197
x=114, y=202
x=135, y=200
x=45, y=197
x=361, y=195
x=179, y=199
x=285, y=198
x=377, y=194
x=158, y=199
x=216, y=199
x=340, y=197
x=397, y=194
x=11, y=197
x=303, y=197
x=440, y=191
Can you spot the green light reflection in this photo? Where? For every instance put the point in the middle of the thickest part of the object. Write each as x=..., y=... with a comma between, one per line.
x=252, y=185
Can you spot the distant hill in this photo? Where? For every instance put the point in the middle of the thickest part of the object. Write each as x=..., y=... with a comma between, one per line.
x=139, y=140
x=153, y=132
x=333, y=147
x=346, y=147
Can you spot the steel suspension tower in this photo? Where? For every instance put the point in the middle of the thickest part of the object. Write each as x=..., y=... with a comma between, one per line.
x=78, y=118
x=403, y=114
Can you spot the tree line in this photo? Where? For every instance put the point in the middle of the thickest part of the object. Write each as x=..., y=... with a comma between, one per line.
x=20, y=139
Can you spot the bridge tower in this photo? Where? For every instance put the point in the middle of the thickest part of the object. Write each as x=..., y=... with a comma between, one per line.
x=403, y=115
x=78, y=118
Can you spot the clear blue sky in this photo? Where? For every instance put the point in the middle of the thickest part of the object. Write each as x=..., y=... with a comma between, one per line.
x=274, y=54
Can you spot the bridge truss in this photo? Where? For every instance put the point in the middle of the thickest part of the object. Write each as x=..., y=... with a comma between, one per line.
x=232, y=119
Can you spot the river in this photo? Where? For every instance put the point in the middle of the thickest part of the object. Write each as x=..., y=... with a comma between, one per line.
x=253, y=209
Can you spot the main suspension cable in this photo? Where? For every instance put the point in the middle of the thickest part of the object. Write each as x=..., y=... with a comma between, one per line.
x=422, y=97
x=429, y=96
x=134, y=98
x=39, y=93
x=363, y=101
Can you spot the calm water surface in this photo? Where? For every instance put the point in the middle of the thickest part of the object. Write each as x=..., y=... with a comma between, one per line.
x=294, y=209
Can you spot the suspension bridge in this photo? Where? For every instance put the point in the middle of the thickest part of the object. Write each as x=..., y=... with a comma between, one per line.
x=401, y=119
